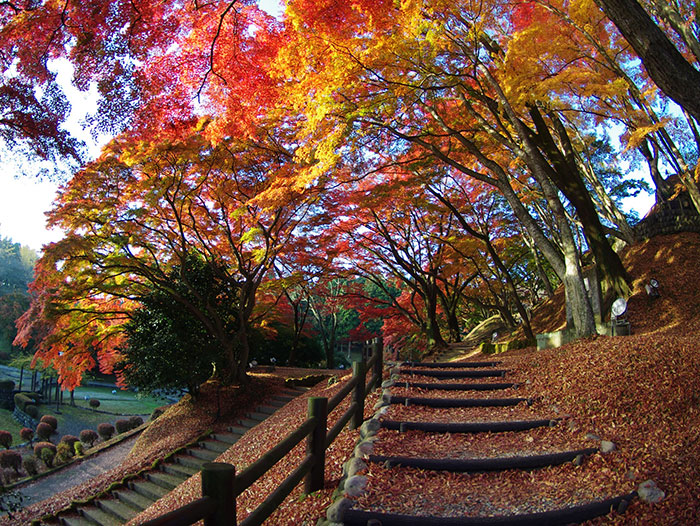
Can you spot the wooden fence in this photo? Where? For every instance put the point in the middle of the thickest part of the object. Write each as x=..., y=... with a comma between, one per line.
x=221, y=485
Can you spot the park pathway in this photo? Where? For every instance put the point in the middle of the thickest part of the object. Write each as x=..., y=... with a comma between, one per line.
x=458, y=444
x=76, y=473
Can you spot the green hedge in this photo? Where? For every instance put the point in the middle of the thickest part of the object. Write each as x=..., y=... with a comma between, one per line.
x=22, y=401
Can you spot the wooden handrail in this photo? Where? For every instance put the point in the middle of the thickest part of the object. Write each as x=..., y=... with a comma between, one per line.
x=221, y=485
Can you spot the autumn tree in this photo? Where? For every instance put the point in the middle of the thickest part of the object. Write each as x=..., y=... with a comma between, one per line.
x=135, y=214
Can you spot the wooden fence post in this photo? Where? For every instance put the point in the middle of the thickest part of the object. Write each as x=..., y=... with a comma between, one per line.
x=379, y=363
x=358, y=396
x=217, y=483
x=316, y=444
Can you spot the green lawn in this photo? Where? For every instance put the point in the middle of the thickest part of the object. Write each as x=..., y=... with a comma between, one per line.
x=8, y=423
x=124, y=402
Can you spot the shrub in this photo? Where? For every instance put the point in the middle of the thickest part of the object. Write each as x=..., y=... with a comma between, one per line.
x=48, y=456
x=51, y=420
x=64, y=452
x=158, y=411
x=27, y=434
x=135, y=421
x=79, y=449
x=21, y=401
x=7, y=385
x=5, y=439
x=88, y=437
x=44, y=431
x=11, y=459
x=30, y=465
x=7, y=475
x=94, y=403
x=32, y=411
x=70, y=440
x=40, y=446
x=122, y=425
x=105, y=431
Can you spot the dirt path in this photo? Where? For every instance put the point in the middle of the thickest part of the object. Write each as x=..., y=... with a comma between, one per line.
x=76, y=473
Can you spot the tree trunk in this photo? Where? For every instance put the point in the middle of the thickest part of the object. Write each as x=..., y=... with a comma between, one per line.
x=665, y=64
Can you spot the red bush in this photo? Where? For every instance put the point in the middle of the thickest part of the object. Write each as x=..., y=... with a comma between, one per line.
x=70, y=440
x=27, y=434
x=88, y=437
x=44, y=431
x=43, y=445
x=11, y=459
x=51, y=420
x=122, y=425
x=105, y=431
x=135, y=421
x=5, y=439
x=94, y=403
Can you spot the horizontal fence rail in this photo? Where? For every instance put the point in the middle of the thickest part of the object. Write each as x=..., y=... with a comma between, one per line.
x=221, y=485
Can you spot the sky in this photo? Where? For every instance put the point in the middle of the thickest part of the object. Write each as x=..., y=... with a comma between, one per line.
x=25, y=199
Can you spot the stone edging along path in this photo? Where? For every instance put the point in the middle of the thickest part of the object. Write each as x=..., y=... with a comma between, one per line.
x=357, y=480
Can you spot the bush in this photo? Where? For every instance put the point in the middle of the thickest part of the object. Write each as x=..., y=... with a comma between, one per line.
x=30, y=465
x=64, y=452
x=39, y=446
x=5, y=439
x=32, y=411
x=11, y=459
x=122, y=425
x=48, y=457
x=70, y=440
x=88, y=437
x=7, y=385
x=44, y=431
x=158, y=411
x=27, y=434
x=79, y=449
x=51, y=420
x=135, y=421
x=105, y=431
x=94, y=403
x=22, y=400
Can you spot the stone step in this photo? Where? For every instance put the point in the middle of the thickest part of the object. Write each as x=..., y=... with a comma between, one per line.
x=283, y=398
x=77, y=521
x=214, y=445
x=205, y=454
x=267, y=409
x=248, y=422
x=258, y=416
x=148, y=489
x=468, y=427
x=165, y=480
x=100, y=517
x=276, y=403
x=133, y=499
x=189, y=460
x=462, y=373
x=122, y=511
x=238, y=430
x=229, y=438
x=179, y=470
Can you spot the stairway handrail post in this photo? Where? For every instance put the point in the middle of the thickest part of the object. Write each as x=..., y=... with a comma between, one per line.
x=316, y=444
x=217, y=483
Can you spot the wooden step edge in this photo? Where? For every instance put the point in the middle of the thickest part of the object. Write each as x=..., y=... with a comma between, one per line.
x=475, y=373
x=484, y=464
x=452, y=365
x=490, y=386
x=457, y=402
x=468, y=427
x=573, y=514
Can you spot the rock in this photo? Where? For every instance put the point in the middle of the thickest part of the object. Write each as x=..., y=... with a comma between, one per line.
x=578, y=460
x=335, y=511
x=593, y=436
x=382, y=410
x=354, y=466
x=355, y=486
x=396, y=370
x=649, y=492
x=606, y=446
x=388, y=383
x=370, y=427
x=364, y=448
x=381, y=403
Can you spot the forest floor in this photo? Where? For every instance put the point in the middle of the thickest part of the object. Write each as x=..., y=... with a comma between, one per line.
x=642, y=392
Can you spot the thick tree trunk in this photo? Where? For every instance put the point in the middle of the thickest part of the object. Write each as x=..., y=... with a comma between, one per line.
x=665, y=64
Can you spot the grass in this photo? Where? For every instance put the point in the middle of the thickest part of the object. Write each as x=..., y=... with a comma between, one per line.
x=8, y=423
x=121, y=402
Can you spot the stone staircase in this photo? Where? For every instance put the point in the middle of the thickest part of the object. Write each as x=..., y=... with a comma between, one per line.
x=406, y=444
x=125, y=502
